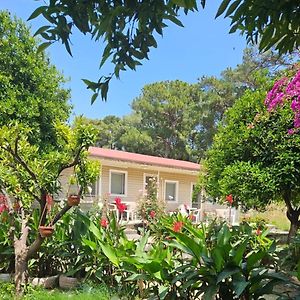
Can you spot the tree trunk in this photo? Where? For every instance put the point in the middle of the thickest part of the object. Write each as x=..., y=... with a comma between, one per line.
x=21, y=266
x=292, y=214
x=293, y=230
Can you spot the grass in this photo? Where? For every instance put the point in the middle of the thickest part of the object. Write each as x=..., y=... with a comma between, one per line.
x=85, y=292
x=274, y=214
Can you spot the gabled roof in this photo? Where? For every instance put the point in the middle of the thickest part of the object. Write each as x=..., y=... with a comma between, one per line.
x=143, y=159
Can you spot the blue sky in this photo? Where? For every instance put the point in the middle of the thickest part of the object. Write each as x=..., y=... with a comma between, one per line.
x=202, y=47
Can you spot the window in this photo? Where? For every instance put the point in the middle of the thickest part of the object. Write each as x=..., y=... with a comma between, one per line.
x=117, y=183
x=171, y=190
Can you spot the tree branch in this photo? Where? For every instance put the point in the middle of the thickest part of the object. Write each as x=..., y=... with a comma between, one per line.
x=73, y=163
x=59, y=215
x=34, y=247
x=19, y=160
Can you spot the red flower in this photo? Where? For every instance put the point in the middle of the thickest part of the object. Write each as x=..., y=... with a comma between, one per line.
x=258, y=231
x=152, y=214
x=118, y=200
x=229, y=199
x=177, y=226
x=2, y=199
x=192, y=217
x=3, y=207
x=104, y=222
x=121, y=207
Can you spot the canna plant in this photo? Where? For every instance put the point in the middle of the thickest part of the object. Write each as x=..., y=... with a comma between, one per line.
x=232, y=264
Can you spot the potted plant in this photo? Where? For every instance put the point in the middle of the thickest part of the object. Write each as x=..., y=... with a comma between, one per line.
x=46, y=231
x=73, y=192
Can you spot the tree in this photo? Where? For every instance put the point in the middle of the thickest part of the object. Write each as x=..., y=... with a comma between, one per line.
x=170, y=114
x=31, y=89
x=275, y=24
x=220, y=93
x=127, y=28
x=256, y=154
x=36, y=145
x=29, y=177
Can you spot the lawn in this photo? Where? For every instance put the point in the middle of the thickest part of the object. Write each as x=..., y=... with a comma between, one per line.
x=85, y=292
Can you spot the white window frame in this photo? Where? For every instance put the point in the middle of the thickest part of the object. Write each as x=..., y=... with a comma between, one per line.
x=176, y=190
x=191, y=196
x=126, y=181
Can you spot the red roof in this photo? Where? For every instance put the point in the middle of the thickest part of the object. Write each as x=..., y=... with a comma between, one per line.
x=143, y=159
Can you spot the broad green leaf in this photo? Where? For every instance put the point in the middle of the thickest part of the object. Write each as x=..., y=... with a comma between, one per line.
x=37, y=12
x=232, y=8
x=41, y=29
x=239, y=286
x=253, y=258
x=227, y=273
x=239, y=253
x=163, y=291
x=110, y=252
x=95, y=230
x=43, y=46
x=222, y=7
x=89, y=243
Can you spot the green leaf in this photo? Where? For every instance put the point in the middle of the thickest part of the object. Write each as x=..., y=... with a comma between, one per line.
x=163, y=291
x=174, y=20
x=253, y=258
x=193, y=248
x=95, y=230
x=110, y=253
x=37, y=12
x=239, y=253
x=227, y=273
x=239, y=286
x=43, y=46
x=222, y=7
x=232, y=7
x=94, y=97
x=41, y=29
x=89, y=243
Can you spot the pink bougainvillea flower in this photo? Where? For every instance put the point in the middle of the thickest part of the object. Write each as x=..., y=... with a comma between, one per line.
x=118, y=200
x=152, y=214
x=177, y=226
x=229, y=199
x=104, y=222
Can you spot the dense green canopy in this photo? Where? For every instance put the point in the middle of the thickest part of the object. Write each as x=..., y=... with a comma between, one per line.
x=127, y=29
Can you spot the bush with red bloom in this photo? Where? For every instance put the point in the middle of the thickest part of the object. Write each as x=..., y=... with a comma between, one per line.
x=192, y=218
x=229, y=199
x=152, y=214
x=3, y=203
x=177, y=226
x=118, y=201
x=121, y=207
x=104, y=223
